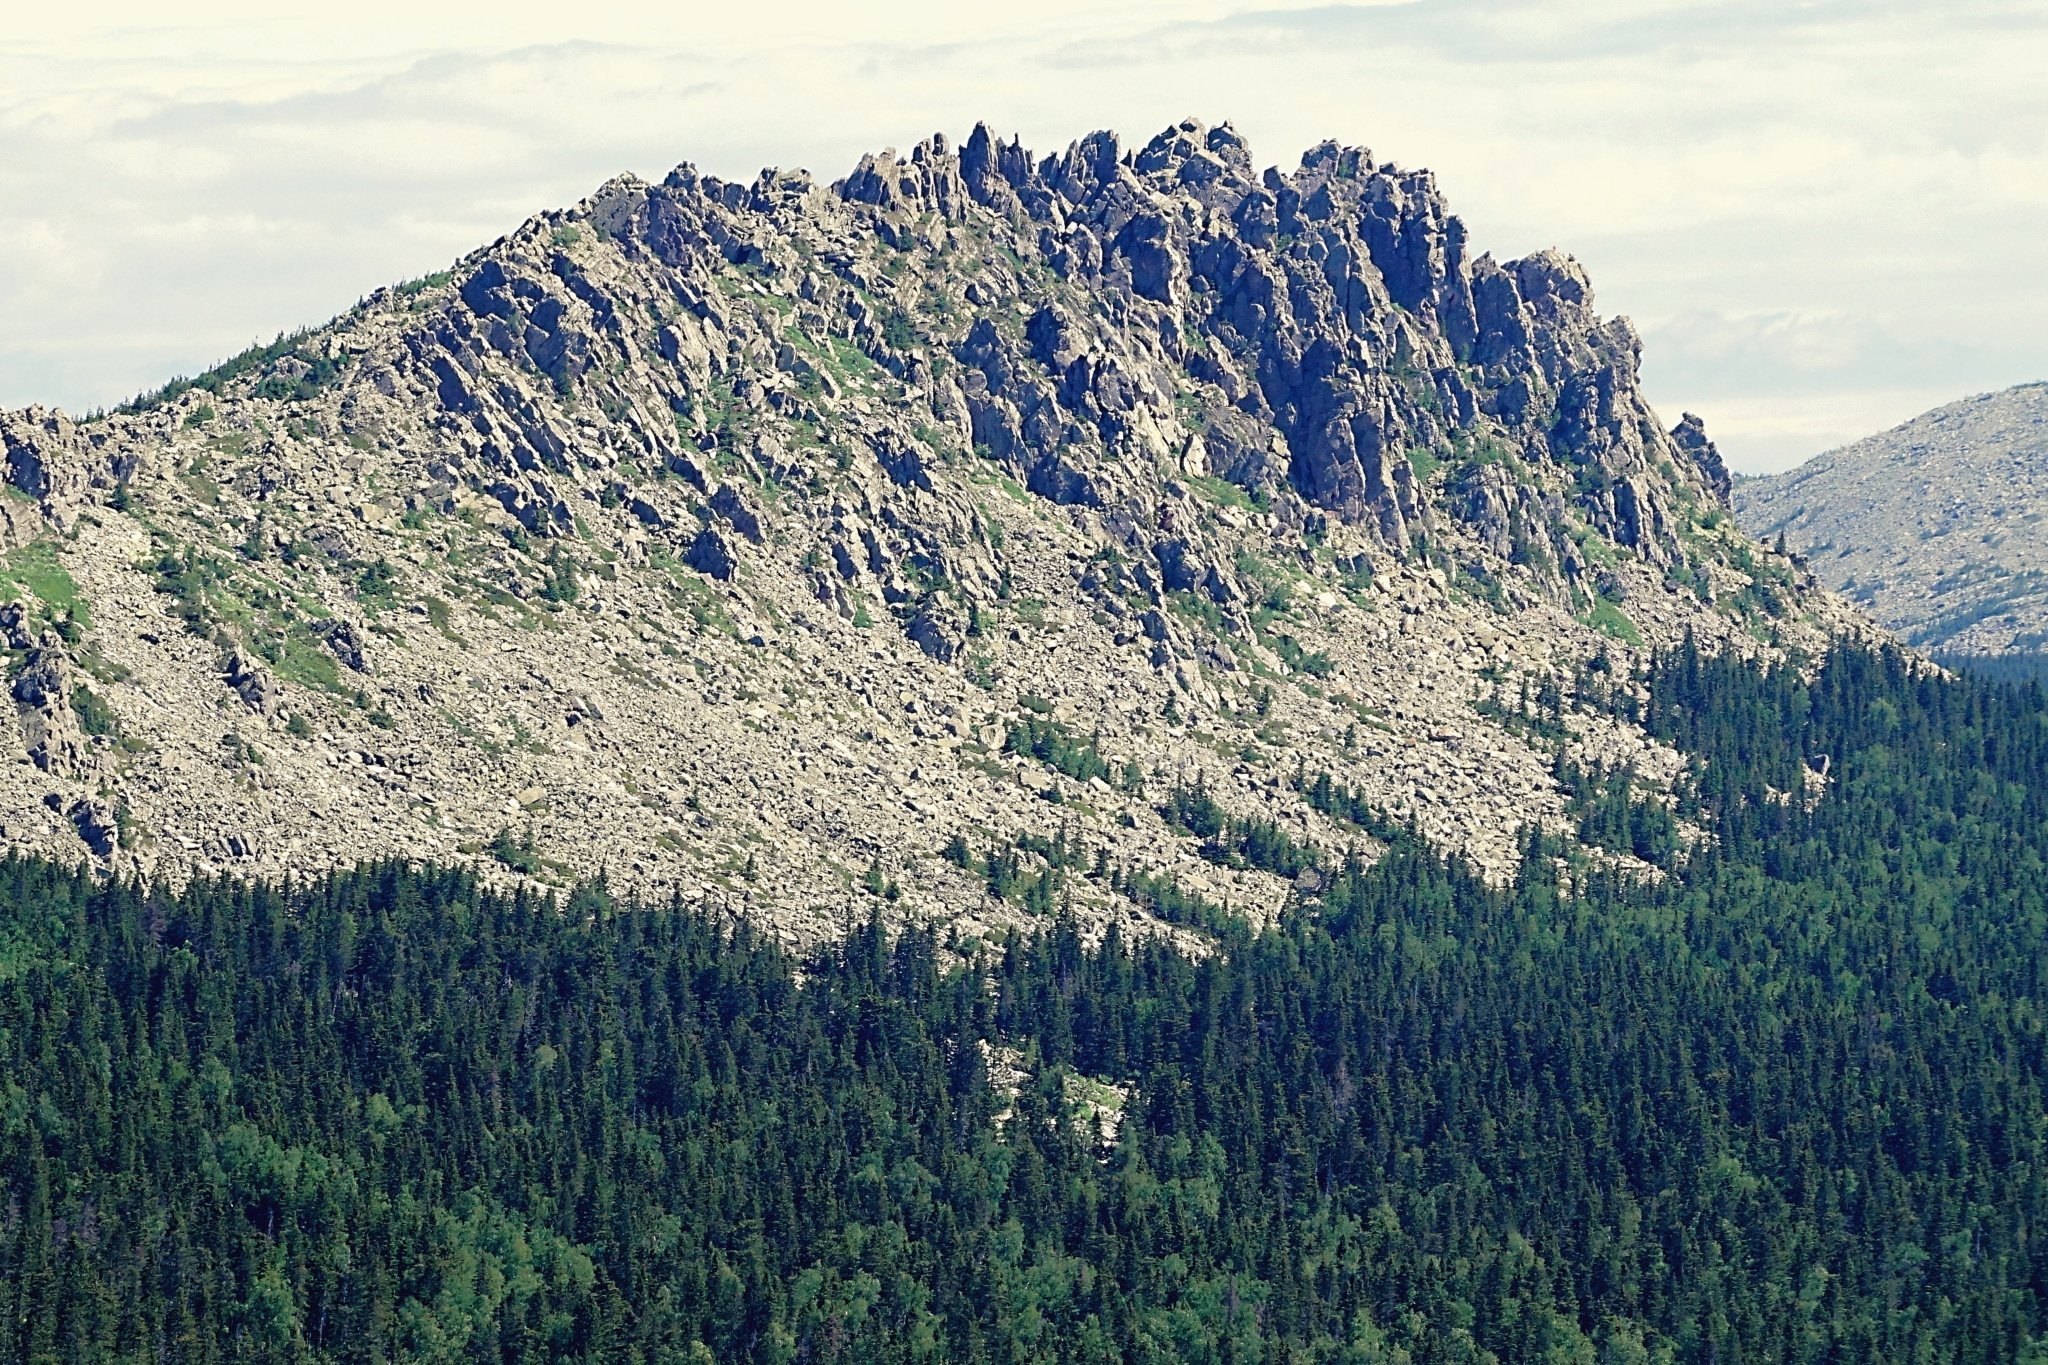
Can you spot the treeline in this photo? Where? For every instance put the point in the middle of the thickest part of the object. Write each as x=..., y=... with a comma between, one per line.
x=1782, y=1105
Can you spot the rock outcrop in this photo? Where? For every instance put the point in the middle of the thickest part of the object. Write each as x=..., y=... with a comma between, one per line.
x=724, y=534
x=42, y=697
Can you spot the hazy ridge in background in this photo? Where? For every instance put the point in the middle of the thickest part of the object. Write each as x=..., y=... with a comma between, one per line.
x=1939, y=526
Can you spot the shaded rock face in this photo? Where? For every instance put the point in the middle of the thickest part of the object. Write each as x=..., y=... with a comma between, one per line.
x=711, y=555
x=1691, y=436
x=938, y=628
x=37, y=443
x=42, y=697
x=253, y=683
x=346, y=643
x=98, y=825
x=47, y=456
x=14, y=626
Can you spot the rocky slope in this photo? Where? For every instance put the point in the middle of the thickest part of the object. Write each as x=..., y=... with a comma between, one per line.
x=755, y=540
x=1939, y=526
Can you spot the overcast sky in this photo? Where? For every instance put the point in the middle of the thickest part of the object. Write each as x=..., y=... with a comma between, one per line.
x=1824, y=215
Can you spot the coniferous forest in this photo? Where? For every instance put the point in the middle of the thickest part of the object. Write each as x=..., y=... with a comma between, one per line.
x=1787, y=1102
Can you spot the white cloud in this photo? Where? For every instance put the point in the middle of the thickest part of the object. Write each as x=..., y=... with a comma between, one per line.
x=1773, y=354
x=1818, y=212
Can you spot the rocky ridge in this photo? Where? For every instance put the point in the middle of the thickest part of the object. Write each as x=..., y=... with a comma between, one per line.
x=1939, y=526
x=756, y=540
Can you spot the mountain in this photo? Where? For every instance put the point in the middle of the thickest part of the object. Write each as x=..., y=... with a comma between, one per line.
x=1936, y=526
x=756, y=541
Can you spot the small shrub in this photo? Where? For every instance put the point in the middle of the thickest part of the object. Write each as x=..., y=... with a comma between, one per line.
x=518, y=852
x=876, y=883
x=377, y=585
x=95, y=717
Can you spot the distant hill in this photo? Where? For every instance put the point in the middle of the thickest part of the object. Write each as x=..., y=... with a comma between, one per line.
x=1939, y=526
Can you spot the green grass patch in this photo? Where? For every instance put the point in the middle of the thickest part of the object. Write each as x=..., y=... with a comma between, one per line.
x=33, y=571
x=1221, y=491
x=1613, y=622
x=689, y=591
x=1197, y=609
x=1315, y=663
x=300, y=657
x=441, y=616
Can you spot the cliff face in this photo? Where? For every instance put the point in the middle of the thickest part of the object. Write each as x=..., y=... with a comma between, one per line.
x=1091, y=320
x=1936, y=526
x=1305, y=331
x=706, y=527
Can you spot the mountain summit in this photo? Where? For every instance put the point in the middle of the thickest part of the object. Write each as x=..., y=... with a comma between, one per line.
x=975, y=518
